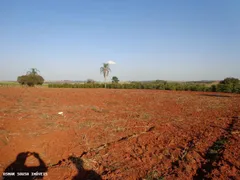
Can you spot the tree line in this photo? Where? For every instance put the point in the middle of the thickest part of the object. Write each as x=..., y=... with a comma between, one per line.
x=228, y=85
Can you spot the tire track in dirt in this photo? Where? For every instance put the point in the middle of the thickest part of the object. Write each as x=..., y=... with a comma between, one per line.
x=215, y=154
x=191, y=145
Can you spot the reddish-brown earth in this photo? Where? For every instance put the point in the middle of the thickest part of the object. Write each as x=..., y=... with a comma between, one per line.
x=122, y=134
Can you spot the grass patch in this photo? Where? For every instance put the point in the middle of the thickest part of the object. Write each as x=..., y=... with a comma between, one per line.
x=3, y=131
x=154, y=175
x=145, y=116
x=45, y=116
x=119, y=129
x=50, y=124
x=4, y=140
x=96, y=109
x=86, y=124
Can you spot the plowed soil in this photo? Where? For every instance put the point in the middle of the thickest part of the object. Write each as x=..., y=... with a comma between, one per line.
x=122, y=134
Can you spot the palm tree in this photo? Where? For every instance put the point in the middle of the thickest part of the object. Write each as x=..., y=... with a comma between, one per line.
x=33, y=71
x=105, y=71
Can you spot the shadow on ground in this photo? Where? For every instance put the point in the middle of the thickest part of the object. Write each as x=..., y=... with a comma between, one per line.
x=23, y=172
x=215, y=95
x=83, y=174
x=18, y=166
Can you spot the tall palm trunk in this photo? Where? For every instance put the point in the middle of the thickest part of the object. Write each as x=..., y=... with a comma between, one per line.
x=105, y=78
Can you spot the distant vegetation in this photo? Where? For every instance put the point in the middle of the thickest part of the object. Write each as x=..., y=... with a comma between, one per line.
x=90, y=81
x=9, y=83
x=31, y=78
x=115, y=79
x=228, y=85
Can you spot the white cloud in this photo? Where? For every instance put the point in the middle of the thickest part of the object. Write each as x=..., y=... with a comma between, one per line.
x=111, y=62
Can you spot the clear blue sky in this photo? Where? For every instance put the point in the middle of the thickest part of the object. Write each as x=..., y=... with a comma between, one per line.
x=148, y=39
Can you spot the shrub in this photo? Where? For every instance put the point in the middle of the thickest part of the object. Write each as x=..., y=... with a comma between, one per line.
x=224, y=88
x=213, y=88
x=148, y=86
x=30, y=80
x=230, y=80
x=179, y=87
x=115, y=79
x=90, y=81
x=236, y=88
x=160, y=86
x=170, y=86
x=161, y=82
x=229, y=84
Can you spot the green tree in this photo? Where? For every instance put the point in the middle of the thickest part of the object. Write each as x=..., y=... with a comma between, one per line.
x=39, y=80
x=90, y=81
x=31, y=78
x=236, y=88
x=161, y=82
x=115, y=79
x=33, y=71
x=21, y=79
x=230, y=80
x=213, y=88
x=224, y=88
x=105, y=69
x=228, y=84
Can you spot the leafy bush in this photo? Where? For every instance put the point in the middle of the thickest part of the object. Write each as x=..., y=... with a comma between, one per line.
x=236, y=88
x=230, y=80
x=160, y=86
x=170, y=86
x=90, y=81
x=213, y=88
x=30, y=80
x=229, y=85
x=115, y=79
x=161, y=82
x=224, y=88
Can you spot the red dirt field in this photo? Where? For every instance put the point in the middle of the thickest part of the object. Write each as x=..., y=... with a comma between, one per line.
x=120, y=134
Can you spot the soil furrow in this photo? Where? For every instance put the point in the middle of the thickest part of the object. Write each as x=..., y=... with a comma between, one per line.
x=108, y=144
x=214, y=154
